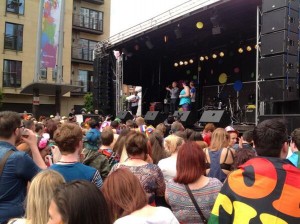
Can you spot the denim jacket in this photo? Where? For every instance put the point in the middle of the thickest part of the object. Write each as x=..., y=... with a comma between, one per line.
x=18, y=170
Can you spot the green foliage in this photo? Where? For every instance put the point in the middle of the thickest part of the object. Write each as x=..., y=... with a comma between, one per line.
x=88, y=102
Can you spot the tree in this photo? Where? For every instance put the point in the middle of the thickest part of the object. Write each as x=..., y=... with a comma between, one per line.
x=88, y=102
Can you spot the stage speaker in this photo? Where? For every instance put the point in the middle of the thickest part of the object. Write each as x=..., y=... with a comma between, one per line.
x=281, y=19
x=278, y=42
x=292, y=120
x=187, y=118
x=221, y=118
x=124, y=116
x=155, y=117
x=279, y=90
x=277, y=66
x=269, y=5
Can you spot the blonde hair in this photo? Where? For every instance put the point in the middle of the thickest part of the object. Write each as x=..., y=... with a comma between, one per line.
x=172, y=142
x=40, y=194
x=219, y=139
x=139, y=121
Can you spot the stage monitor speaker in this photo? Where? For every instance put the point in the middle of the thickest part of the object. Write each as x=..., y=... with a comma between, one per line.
x=278, y=42
x=124, y=116
x=277, y=66
x=269, y=5
x=281, y=19
x=155, y=117
x=221, y=118
x=277, y=90
x=292, y=120
x=187, y=118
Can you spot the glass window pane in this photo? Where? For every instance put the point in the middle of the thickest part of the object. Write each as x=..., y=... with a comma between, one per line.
x=83, y=78
x=15, y=6
x=12, y=73
x=91, y=49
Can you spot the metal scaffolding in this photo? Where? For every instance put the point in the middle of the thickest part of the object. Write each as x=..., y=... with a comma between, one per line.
x=119, y=84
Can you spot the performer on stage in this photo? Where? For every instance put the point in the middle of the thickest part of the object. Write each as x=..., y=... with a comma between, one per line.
x=193, y=95
x=184, y=96
x=174, y=92
x=134, y=104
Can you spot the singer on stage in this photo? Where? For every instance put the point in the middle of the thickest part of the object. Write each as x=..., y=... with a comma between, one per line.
x=185, y=97
x=174, y=92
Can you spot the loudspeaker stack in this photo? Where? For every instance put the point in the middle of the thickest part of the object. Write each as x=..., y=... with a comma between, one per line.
x=278, y=65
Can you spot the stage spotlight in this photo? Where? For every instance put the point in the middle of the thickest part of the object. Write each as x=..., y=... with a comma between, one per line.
x=185, y=62
x=166, y=38
x=199, y=25
x=221, y=54
x=191, y=61
x=206, y=57
x=214, y=56
x=255, y=46
x=249, y=48
x=240, y=50
x=181, y=63
x=175, y=64
x=201, y=58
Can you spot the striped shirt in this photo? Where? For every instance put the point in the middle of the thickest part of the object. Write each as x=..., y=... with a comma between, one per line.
x=182, y=205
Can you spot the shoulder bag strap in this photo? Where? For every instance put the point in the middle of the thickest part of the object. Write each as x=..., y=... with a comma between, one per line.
x=4, y=159
x=204, y=220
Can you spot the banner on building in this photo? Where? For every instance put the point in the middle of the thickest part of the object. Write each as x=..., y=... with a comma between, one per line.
x=50, y=33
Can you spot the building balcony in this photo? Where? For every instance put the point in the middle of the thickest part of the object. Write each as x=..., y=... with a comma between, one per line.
x=87, y=24
x=82, y=55
x=98, y=2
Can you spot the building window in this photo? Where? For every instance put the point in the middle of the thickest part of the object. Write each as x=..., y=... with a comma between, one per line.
x=91, y=19
x=15, y=6
x=85, y=78
x=86, y=48
x=13, y=36
x=12, y=73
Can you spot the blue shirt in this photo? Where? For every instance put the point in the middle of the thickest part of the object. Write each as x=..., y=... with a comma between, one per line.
x=18, y=170
x=78, y=171
x=184, y=100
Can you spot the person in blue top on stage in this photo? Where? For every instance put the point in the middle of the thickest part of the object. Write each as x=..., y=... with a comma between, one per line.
x=185, y=97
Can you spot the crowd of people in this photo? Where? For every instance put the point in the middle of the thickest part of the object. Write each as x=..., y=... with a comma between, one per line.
x=57, y=171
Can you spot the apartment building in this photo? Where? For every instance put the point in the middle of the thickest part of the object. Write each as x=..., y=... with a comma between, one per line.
x=85, y=23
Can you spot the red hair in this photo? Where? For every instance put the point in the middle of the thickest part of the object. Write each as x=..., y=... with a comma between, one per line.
x=190, y=163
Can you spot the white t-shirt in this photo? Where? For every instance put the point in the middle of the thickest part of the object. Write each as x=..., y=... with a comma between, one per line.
x=162, y=215
x=135, y=101
x=168, y=167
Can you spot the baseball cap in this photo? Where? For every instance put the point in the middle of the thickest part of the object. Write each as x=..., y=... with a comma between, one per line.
x=231, y=129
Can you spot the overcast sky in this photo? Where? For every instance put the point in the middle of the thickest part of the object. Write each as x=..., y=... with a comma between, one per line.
x=127, y=13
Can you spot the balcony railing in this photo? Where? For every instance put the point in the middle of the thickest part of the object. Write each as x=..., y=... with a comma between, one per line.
x=99, y=2
x=10, y=79
x=86, y=87
x=82, y=54
x=87, y=23
x=12, y=42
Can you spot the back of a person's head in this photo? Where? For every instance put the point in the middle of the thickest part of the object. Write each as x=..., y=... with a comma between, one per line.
x=269, y=137
x=129, y=124
x=139, y=121
x=29, y=124
x=190, y=163
x=219, y=139
x=107, y=136
x=209, y=127
x=67, y=137
x=161, y=127
x=248, y=136
x=93, y=123
x=296, y=137
x=123, y=192
x=81, y=202
x=114, y=124
x=157, y=147
x=195, y=136
x=40, y=194
x=176, y=126
x=172, y=142
x=9, y=122
x=136, y=144
x=120, y=143
x=39, y=127
x=241, y=156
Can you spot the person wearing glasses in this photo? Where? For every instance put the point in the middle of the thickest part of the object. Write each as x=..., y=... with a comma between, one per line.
x=16, y=168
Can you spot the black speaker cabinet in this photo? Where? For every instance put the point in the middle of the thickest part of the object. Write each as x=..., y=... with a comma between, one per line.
x=277, y=66
x=281, y=19
x=155, y=117
x=278, y=42
x=269, y=5
x=221, y=118
x=187, y=118
x=124, y=116
x=277, y=90
x=292, y=120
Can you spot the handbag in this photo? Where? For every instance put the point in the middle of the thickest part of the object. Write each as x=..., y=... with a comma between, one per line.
x=204, y=220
